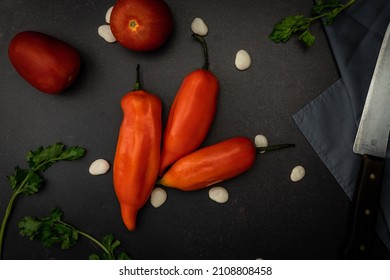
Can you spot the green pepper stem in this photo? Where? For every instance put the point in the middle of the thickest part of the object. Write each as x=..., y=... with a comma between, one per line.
x=138, y=79
x=274, y=147
x=206, y=54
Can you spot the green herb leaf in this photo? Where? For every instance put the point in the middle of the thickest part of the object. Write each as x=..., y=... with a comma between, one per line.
x=307, y=38
x=18, y=177
x=94, y=257
x=72, y=153
x=42, y=158
x=33, y=184
x=283, y=30
x=56, y=214
x=25, y=181
x=322, y=6
x=52, y=230
x=110, y=242
x=288, y=26
x=29, y=181
x=123, y=256
x=29, y=227
x=331, y=15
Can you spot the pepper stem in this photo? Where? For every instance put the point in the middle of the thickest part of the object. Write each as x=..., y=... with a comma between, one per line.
x=138, y=79
x=274, y=147
x=206, y=54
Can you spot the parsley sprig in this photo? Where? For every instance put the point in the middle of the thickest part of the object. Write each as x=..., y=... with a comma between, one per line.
x=29, y=181
x=53, y=230
x=299, y=24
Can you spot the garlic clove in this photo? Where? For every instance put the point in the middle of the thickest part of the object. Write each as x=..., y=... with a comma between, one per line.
x=158, y=197
x=108, y=14
x=261, y=141
x=297, y=173
x=105, y=32
x=243, y=60
x=198, y=26
x=219, y=194
x=99, y=167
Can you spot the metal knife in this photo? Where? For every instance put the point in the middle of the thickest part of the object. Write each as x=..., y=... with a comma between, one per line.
x=371, y=142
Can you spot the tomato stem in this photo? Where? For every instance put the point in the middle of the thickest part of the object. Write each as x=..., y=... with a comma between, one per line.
x=138, y=79
x=274, y=147
x=206, y=54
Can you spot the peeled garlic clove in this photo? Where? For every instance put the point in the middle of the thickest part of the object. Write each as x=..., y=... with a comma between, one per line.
x=261, y=141
x=105, y=32
x=198, y=26
x=108, y=14
x=158, y=197
x=219, y=194
x=243, y=60
x=297, y=173
x=99, y=167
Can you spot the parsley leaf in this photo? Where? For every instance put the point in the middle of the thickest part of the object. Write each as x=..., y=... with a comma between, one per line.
x=42, y=158
x=288, y=26
x=25, y=181
x=111, y=243
x=307, y=38
x=49, y=230
x=299, y=24
x=72, y=153
x=29, y=181
x=52, y=230
x=322, y=6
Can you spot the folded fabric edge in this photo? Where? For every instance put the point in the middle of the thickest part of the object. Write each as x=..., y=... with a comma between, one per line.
x=311, y=133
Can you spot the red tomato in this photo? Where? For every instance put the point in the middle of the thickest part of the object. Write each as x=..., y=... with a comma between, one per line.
x=141, y=25
x=48, y=64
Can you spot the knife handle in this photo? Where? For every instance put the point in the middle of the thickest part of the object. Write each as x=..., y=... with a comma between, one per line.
x=365, y=205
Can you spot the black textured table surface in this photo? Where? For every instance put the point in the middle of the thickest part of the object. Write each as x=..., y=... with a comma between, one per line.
x=267, y=216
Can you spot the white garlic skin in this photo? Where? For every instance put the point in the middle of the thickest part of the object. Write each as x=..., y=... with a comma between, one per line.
x=105, y=32
x=99, y=167
x=297, y=173
x=158, y=197
x=219, y=194
x=108, y=14
x=261, y=141
x=199, y=27
x=243, y=60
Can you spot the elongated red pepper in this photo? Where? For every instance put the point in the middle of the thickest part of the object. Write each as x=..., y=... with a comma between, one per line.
x=137, y=156
x=191, y=114
x=213, y=164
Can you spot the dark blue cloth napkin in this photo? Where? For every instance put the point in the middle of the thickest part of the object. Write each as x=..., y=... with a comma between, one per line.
x=330, y=121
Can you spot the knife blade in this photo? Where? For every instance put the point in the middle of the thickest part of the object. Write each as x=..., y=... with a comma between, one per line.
x=371, y=142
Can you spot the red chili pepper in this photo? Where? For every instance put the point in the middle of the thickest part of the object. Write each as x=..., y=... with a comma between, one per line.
x=191, y=115
x=213, y=164
x=137, y=156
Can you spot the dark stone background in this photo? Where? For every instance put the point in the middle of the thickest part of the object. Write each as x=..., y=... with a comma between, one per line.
x=267, y=216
